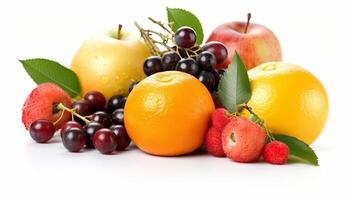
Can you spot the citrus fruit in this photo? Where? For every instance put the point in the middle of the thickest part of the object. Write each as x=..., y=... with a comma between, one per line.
x=109, y=64
x=291, y=100
x=168, y=113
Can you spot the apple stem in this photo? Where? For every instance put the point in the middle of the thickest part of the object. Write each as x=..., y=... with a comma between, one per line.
x=249, y=15
x=119, y=34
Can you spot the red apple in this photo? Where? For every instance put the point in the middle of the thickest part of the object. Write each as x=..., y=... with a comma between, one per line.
x=255, y=43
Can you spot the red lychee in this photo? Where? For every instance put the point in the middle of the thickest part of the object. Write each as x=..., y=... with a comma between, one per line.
x=243, y=140
x=40, y=105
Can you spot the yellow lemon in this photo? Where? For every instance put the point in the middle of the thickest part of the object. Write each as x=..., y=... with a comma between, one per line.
x=290, y=99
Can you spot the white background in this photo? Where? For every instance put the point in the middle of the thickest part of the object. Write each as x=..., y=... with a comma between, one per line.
x=312, y=33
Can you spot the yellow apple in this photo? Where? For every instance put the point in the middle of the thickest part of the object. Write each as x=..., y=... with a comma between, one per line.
x=109, y=62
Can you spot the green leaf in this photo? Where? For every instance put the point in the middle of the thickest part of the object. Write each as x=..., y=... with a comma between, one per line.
x=298, y=148
x=43, y=70
x=234, y=86
x=180, y=17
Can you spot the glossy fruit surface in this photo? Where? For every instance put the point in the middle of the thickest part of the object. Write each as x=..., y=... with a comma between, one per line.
x=42, y=130
x=185, y=37
x=103, y=118
x=218, y=49
x=97, y=100
x=105, y=141
x=118, y=117
x=123, y=139
x=152, y=65
x=290, y=99
x=68, y=125
x=90, y=130
x=116, y=102
x=82, y=107
x=74, y=139
x=208, y=79
x=206, y=60
x=188, y=65
x=169, y=61
x=168, y=113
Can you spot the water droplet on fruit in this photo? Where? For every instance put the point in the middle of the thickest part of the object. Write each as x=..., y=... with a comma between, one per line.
x=270, y=67
x=104, y=79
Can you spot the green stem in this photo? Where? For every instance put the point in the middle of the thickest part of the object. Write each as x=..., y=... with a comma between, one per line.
x=154, y=49
x=60, y=106
x=167, y=29
x=254, y=117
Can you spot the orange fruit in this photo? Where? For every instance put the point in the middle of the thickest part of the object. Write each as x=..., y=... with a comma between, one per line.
x=290, y=99
x=168, y=113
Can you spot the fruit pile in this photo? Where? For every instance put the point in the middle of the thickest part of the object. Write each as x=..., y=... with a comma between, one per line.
x=169, y=94
x=190, y=58
x=242, y=140
x=85, y=123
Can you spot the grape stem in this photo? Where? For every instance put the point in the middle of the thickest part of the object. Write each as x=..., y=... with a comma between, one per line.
x=162, y=40
x=62, y=107
x=162, y=25
x=150, y=44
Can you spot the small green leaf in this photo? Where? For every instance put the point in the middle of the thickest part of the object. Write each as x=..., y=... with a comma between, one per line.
x=180, y=17
x=298, y=148
x=43, y=70
x=234, y=86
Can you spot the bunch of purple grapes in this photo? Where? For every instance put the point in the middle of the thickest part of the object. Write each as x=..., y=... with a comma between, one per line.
x=188, y=57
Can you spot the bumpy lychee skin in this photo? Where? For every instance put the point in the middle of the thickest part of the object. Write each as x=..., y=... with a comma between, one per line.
x=219, y=118
x=276, y=153
x=40, y=105
x=243, y=140
x=213, y=142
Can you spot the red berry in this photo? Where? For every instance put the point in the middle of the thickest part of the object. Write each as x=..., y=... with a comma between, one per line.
x=68, y=125
x=103, y=118
x=243, y=140
x=123, y=139
x=105, y=141
x=219, y=118
x=90, y=130
x=218, y=49
x=40, y=104
x=74, y=139
x=42, y=130
x=213, y=142
x=276, y=153
x=97, y=99
x=82, y=107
